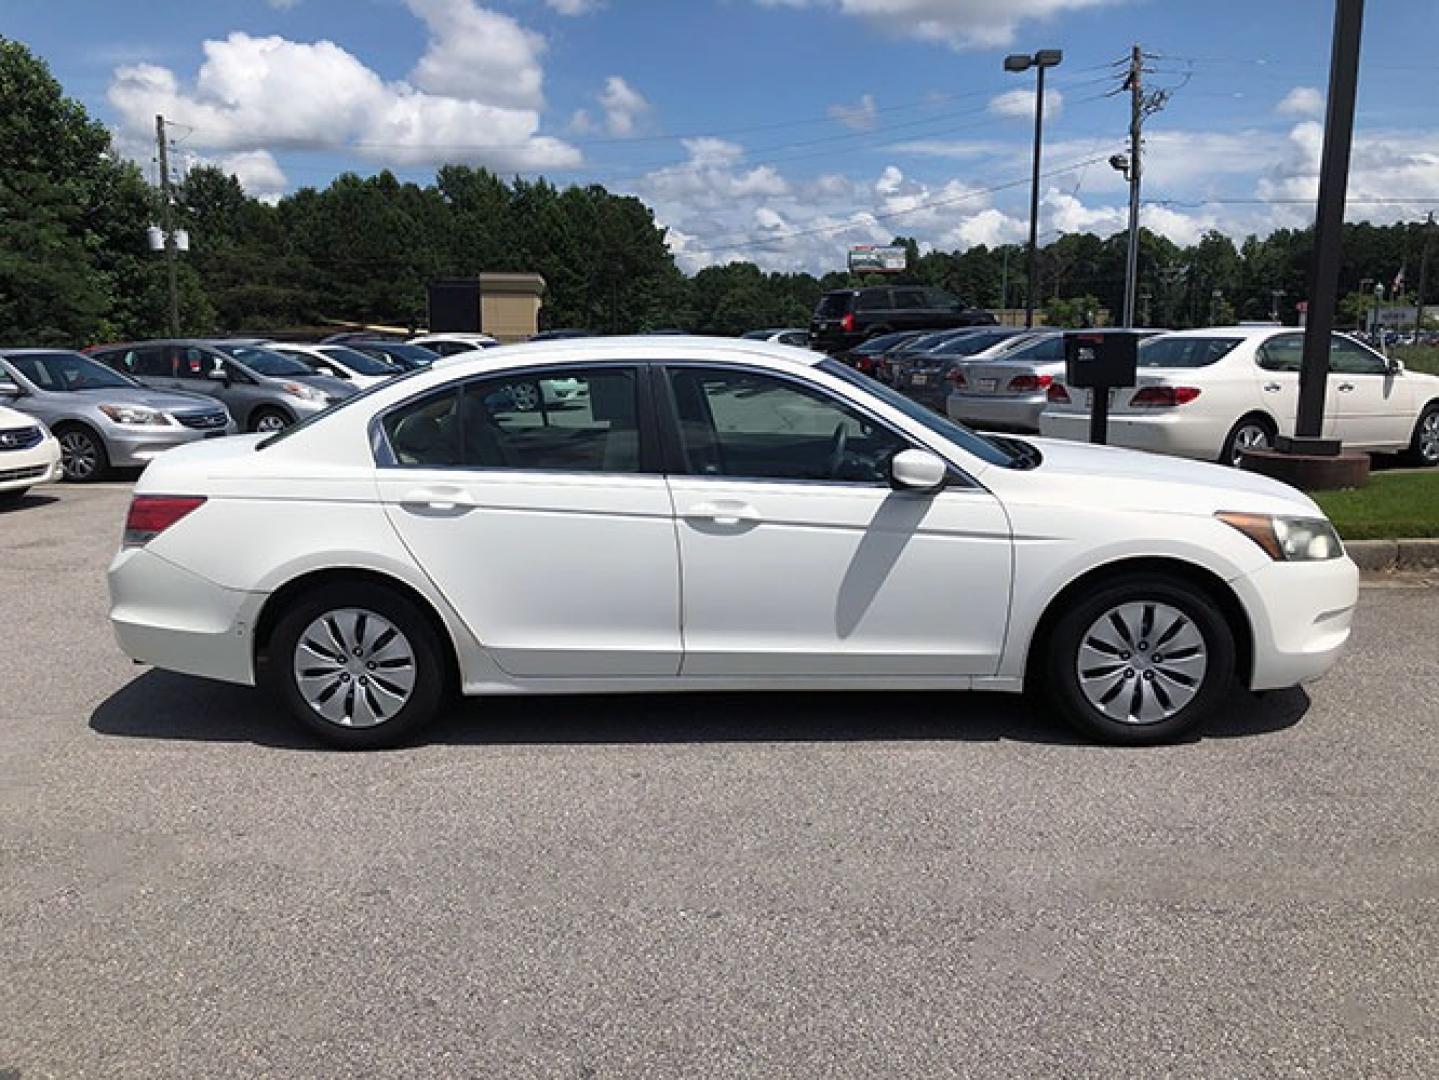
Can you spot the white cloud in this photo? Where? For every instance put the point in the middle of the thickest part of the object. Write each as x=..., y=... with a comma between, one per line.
x=282, y=5
x=623, y=105
x=258, y=172
x=270, y=93
x=1018, y=104
x=1301, y=101
x=961, y=24
x=860, y=117
x=581, y=122
x=575, y=7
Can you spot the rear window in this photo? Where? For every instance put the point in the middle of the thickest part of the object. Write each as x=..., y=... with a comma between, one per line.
x=833, y=305
x=969, y=344
x=873, y=300
x=1173, y=351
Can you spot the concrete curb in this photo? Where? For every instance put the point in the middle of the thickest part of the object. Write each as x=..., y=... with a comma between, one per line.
x=1394, y=556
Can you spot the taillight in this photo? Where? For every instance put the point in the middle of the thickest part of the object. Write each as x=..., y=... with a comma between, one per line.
x=150, y=515
x=956, y=377
x=847, y=323
x=1030, y=384
x=1057, y=394
x=1164, y=397
x=864, y=365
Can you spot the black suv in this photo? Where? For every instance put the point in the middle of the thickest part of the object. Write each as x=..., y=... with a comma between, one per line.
x=845, y=317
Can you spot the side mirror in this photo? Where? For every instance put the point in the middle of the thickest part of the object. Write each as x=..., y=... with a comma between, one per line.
x=1396, y=366
x=917, y=470
x=220, y=375
x=10, y=389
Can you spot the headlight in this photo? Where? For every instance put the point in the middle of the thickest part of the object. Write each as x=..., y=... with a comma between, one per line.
x=135, y=414
x=1288, y=539
x=309, y=393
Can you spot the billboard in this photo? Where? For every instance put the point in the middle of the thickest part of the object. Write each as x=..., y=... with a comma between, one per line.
x=871, y=259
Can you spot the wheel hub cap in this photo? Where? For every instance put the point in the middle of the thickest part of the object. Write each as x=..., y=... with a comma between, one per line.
x=1142, y=662
x=355, y=668
x=77, y=455
x=1429, y=437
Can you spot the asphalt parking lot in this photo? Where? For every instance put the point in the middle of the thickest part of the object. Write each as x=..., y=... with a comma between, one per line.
x=803, y=885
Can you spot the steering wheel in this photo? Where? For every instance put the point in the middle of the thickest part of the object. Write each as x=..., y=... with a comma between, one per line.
x=836, y=450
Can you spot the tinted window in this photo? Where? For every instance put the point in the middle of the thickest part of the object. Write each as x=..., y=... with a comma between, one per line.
x=833, y=305
x=941, y=300
x=872, y=300
x=148, y=361
x=969, y=344
x=357, y=361
x=1281, y=353
x=1349, y=358
x=571, y=422
x=883, y=342
x=746, y=425
x=1185, y=352
x=798, y=339
x=265, y=361
x=192, y=362
x=62, y=371
x=909, y=299
x=1045, y=349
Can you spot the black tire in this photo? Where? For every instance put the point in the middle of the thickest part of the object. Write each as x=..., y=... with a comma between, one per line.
x=13, y=497
x=82, y=454
x=430, y=680
x=1061, y=664
x=1238, y=437
x=268, y=419
x=1424, y=443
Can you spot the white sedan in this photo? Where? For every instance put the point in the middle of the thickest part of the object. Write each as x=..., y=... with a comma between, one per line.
x=29, y=455
x=360, y=370
x=1212, y=394
x=719, y=515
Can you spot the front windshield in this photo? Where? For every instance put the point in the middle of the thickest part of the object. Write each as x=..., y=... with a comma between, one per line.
x=958, y=434
x=358, y=362
x=67, y=371
x=410, y=355
x=265, y=361
x=1184, y=351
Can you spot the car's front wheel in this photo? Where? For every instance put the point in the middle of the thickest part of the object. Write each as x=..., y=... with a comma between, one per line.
x=82, y=455
x=1140, y=661
x=1424, y=445
x=269, y=420
x=359, y=665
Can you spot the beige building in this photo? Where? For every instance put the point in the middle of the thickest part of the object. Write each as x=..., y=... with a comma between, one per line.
x=505, y=306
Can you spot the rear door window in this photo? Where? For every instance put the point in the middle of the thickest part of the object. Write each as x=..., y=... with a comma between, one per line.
x=873, y=300
x=910, y=299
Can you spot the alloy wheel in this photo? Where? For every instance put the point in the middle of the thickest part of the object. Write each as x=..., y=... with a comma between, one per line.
x=354, y=668
x=270, y=422
x=1429, y=438
x=79, y=456
x=1142, y=662
x=1249, y=437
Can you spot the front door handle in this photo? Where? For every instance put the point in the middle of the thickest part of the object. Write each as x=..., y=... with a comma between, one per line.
x=440, y=497
x=1272, y=387
x=723, y=512
x=1346, y=386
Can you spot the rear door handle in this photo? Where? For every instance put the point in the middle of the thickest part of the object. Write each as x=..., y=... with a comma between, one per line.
x=724, y=512
x=438, y=498
x=1346, y=386
x=1272, y=387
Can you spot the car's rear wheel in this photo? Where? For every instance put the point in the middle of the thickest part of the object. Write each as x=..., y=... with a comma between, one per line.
x=82, y=454
x=1140, y=661
x=1251, y=433
x=359, y=665
x=1424, y=446
x=269, y=420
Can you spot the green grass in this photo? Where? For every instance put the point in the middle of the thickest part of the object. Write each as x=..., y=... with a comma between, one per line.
x=1418, y=357
x=1393, y=506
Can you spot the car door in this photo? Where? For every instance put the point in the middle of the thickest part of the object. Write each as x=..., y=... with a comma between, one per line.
x=1278, y=360
x=550, y=528
x=798, y=558
x=1372, y=407
x=149, y=365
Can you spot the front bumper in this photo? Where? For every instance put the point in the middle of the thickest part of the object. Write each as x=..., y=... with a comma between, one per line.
x=40, y=464
x=1019, y=413
x=134, y=446
x=1300, y=614
x=169, y=617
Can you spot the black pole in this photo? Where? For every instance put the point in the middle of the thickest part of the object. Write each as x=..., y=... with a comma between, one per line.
x=1034, y=199
x=1329, y=224
x=1099, y=416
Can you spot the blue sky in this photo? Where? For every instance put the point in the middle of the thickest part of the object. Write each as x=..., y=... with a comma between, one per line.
x=775, y=130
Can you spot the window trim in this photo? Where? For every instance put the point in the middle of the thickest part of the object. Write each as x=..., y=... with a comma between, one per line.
x=651, y=458
x=674, y=460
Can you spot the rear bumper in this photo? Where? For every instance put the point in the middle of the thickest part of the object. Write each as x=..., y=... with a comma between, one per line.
x=1010, y=413
x=1171, y=431
x=176, y=620
x=40, y=464
x=1300, y=614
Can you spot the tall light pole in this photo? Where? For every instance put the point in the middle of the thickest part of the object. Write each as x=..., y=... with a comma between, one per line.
x=1018, y=62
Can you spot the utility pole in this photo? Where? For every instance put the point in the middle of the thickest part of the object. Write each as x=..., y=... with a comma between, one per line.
x=167, y=211
x=1136, y=122
x=1423, y=276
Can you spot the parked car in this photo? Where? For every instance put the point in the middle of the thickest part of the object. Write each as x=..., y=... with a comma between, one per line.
x=103, y=419
x=868, y=356
x=561, y=335
x=1007, y=390
x=1212, y=394
x=349, y=337
x=448, y=344
x=399, y=353
x=719, y=515
x=798, y=338
x=845, y=317
x=263, y=390
x=29, y=454
x=891, y=360
x=360, y=370
x=923, y=375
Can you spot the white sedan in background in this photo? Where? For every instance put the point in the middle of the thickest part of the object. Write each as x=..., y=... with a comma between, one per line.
x=1213, y=393
x=717, y=515
x=359, y=369
x=29, y=455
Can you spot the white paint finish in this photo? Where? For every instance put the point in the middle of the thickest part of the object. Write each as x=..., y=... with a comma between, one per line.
x=803, y=579
x=556, y=573
x=44, y=454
